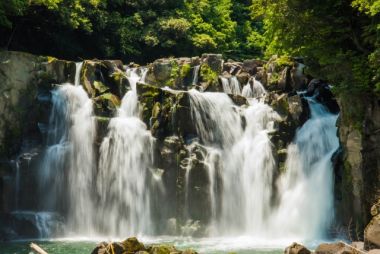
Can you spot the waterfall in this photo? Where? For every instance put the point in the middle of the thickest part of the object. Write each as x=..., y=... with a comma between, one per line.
x=125, y=157
x=78, y=68
x=66, y=175
x=216, y=118
x=246, y=157
x=231, y=86
x=196, y=74
x=306, y=188
x=248, y=174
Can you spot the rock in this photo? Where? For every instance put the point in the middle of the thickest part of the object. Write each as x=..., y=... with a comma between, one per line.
x=163, y=249
x=358, y=245
x=128, y=246
x=374, y=251
x=175, y=73
x=132, y=245
x=251, y=66
x=372, y=234
x=323, y=94
x=214, y=61
x=375, y=209
x=298, y=78
x=243, y=77
x=296, y=248
x=104, y=76
x=238, y=99
x=335, y=248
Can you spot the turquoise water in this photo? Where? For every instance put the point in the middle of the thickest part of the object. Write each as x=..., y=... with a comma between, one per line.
x=203, y=246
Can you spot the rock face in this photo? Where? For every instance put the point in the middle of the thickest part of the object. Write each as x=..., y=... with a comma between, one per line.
x=358, y=173
x=179, y=159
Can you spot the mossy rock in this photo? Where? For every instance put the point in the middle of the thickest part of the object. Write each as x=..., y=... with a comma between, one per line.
x=132, y=245
x=106, y=104
x=162, y=249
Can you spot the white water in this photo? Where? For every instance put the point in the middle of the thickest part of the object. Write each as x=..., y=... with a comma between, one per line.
x=216, y=118
x=248, y=168
x=78, y=68
x=125, y=158
x=66, y=175
x=306, y=201
x=231, y=85
x=196, y=74
x=248, y=175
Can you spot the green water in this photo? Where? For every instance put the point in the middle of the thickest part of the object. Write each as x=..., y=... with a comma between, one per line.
x=84, y=247
x=50, y=247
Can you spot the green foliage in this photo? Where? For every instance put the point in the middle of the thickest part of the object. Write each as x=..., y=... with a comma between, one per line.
x=131, y=30
x=207, y=74
x=337, y=39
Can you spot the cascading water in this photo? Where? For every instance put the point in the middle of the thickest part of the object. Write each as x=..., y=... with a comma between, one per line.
x=125, y=158
x=78, y=69
x=248, y=168
x=306, y=189
x=256, y=90
x=231, y=85
x=196, y=74
x=66, y=176
x=248, y=174
x=247, y=160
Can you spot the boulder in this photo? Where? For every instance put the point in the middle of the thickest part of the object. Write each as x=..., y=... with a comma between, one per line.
x=323, y=94
x=104, y=76
x=176, y=73
x=296, y=248
x=243, y=77
x=214, y=61
x=128, y=246
x=251, y=66
x=372, y=234
x=335, y=248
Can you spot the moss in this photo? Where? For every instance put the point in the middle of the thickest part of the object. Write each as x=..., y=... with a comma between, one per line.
x=284, y=61
x=353, y=107
x=156, y=110
x=185, y=70
x=100, y=87
x=274, y=78
x=51, y=59
x=174, y=73
x=208, y=74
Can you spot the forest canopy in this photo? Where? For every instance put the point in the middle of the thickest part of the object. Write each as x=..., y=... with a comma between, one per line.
x=338, y=39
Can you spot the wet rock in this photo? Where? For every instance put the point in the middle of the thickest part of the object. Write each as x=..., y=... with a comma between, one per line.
x=104, y=76
x=176, y=73
x=335, y=248
x=251, y=66
x=296, y=248
x=128, y=246
x=243, y=77
x=358, y=245
x=214, y=61
x=238, y=99
x=323, y=94
x=372, y=234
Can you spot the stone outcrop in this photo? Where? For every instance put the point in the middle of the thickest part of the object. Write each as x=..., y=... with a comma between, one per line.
x=358, y=172
x=337, y=248
x=296, y=248
x=372, y=231
x=178, y=158
x=133, y=246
